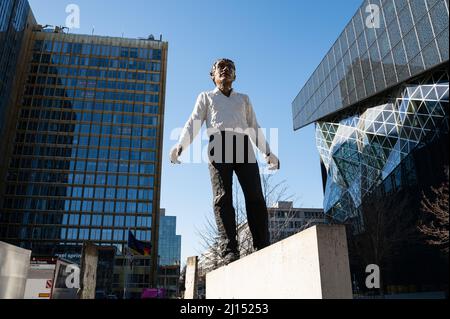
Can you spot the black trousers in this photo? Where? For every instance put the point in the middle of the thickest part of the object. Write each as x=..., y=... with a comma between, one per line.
x=225, y=215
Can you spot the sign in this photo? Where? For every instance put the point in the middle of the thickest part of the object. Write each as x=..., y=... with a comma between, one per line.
x=63, y=275
x=40, y=278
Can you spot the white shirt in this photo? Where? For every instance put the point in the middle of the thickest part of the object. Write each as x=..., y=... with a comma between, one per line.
x=223, y=113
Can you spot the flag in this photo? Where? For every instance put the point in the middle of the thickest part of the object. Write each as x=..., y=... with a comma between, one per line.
x=137, y=246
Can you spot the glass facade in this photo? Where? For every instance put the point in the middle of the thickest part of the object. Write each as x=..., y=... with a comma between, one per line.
x=412, y=37
x=169, y=241
x=380, y=104
x=14, y=15
x=360, y=150
x=86, y=159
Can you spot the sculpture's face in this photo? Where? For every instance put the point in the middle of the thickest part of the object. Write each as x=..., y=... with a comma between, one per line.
x=224, y=72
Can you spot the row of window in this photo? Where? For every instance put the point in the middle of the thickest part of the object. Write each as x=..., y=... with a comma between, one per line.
x=44, y=70
x=96, y=49
x=91, y=94
x=46, y=132
x=102, y=118
x=97, y=204
x=136, y=262
x=133, y=281
x=76, y=219
x=92, y=84
x=72, y=141
x=112, y=125
x=52, y=233
x=36, y=217
x=106, y=220
x=121, y=190
x=106, y=234
x=122, y=167
x=67, y=163
x=296, y=214
x=89, y=105
x=87, y=191
x=284, y=225
x=129, y=194
x=126, y=153
x=56, y=59
x=80, y=165
x=23, y=175
x=59, y=204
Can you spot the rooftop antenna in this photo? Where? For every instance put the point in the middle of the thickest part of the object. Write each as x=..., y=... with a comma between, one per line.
x=62, y=28
x=42, y=28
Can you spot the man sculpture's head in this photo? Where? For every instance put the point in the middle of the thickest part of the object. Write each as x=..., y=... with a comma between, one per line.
x=223, y=72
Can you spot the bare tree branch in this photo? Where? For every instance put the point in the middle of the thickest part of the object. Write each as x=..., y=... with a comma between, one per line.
x=436, y=209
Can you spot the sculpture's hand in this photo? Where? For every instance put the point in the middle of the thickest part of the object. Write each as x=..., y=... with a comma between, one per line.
x=175, y=152
x=273, y=162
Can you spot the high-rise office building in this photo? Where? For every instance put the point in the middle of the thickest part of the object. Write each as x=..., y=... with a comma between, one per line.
x=15, y=20
x=169, y=255
x=131, y=276
x=16, y=23
x=379, y=101
x=85, y=152
x=169, y=241
x=286, y=220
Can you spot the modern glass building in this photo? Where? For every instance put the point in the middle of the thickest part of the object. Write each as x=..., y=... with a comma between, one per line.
x=169, y=241
x=379, y=101
x=85, y=153
x=169, y=255
x=16, y=22
x=14, y=15
x=131, y=281
x=378, y=93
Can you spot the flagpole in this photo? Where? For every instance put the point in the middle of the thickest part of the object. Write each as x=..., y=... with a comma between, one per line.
x=125, y=274
x=127, y=264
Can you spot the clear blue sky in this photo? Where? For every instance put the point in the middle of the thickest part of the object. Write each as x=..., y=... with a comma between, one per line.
x=276, y=46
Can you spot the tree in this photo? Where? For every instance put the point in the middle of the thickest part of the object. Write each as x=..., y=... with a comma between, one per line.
x=436, y=209
x=182, y=282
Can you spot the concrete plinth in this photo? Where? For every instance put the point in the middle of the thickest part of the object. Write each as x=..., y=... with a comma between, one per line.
x=312, y=264
x=14, y=267
x=191, y=278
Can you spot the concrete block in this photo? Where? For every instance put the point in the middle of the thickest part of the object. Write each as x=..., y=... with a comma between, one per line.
x=14, y=267
x=312, y=264
x=191, y=278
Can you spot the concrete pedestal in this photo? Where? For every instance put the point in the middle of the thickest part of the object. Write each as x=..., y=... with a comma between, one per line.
x=14, y=266
x=312, y=264
x=191, y=278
